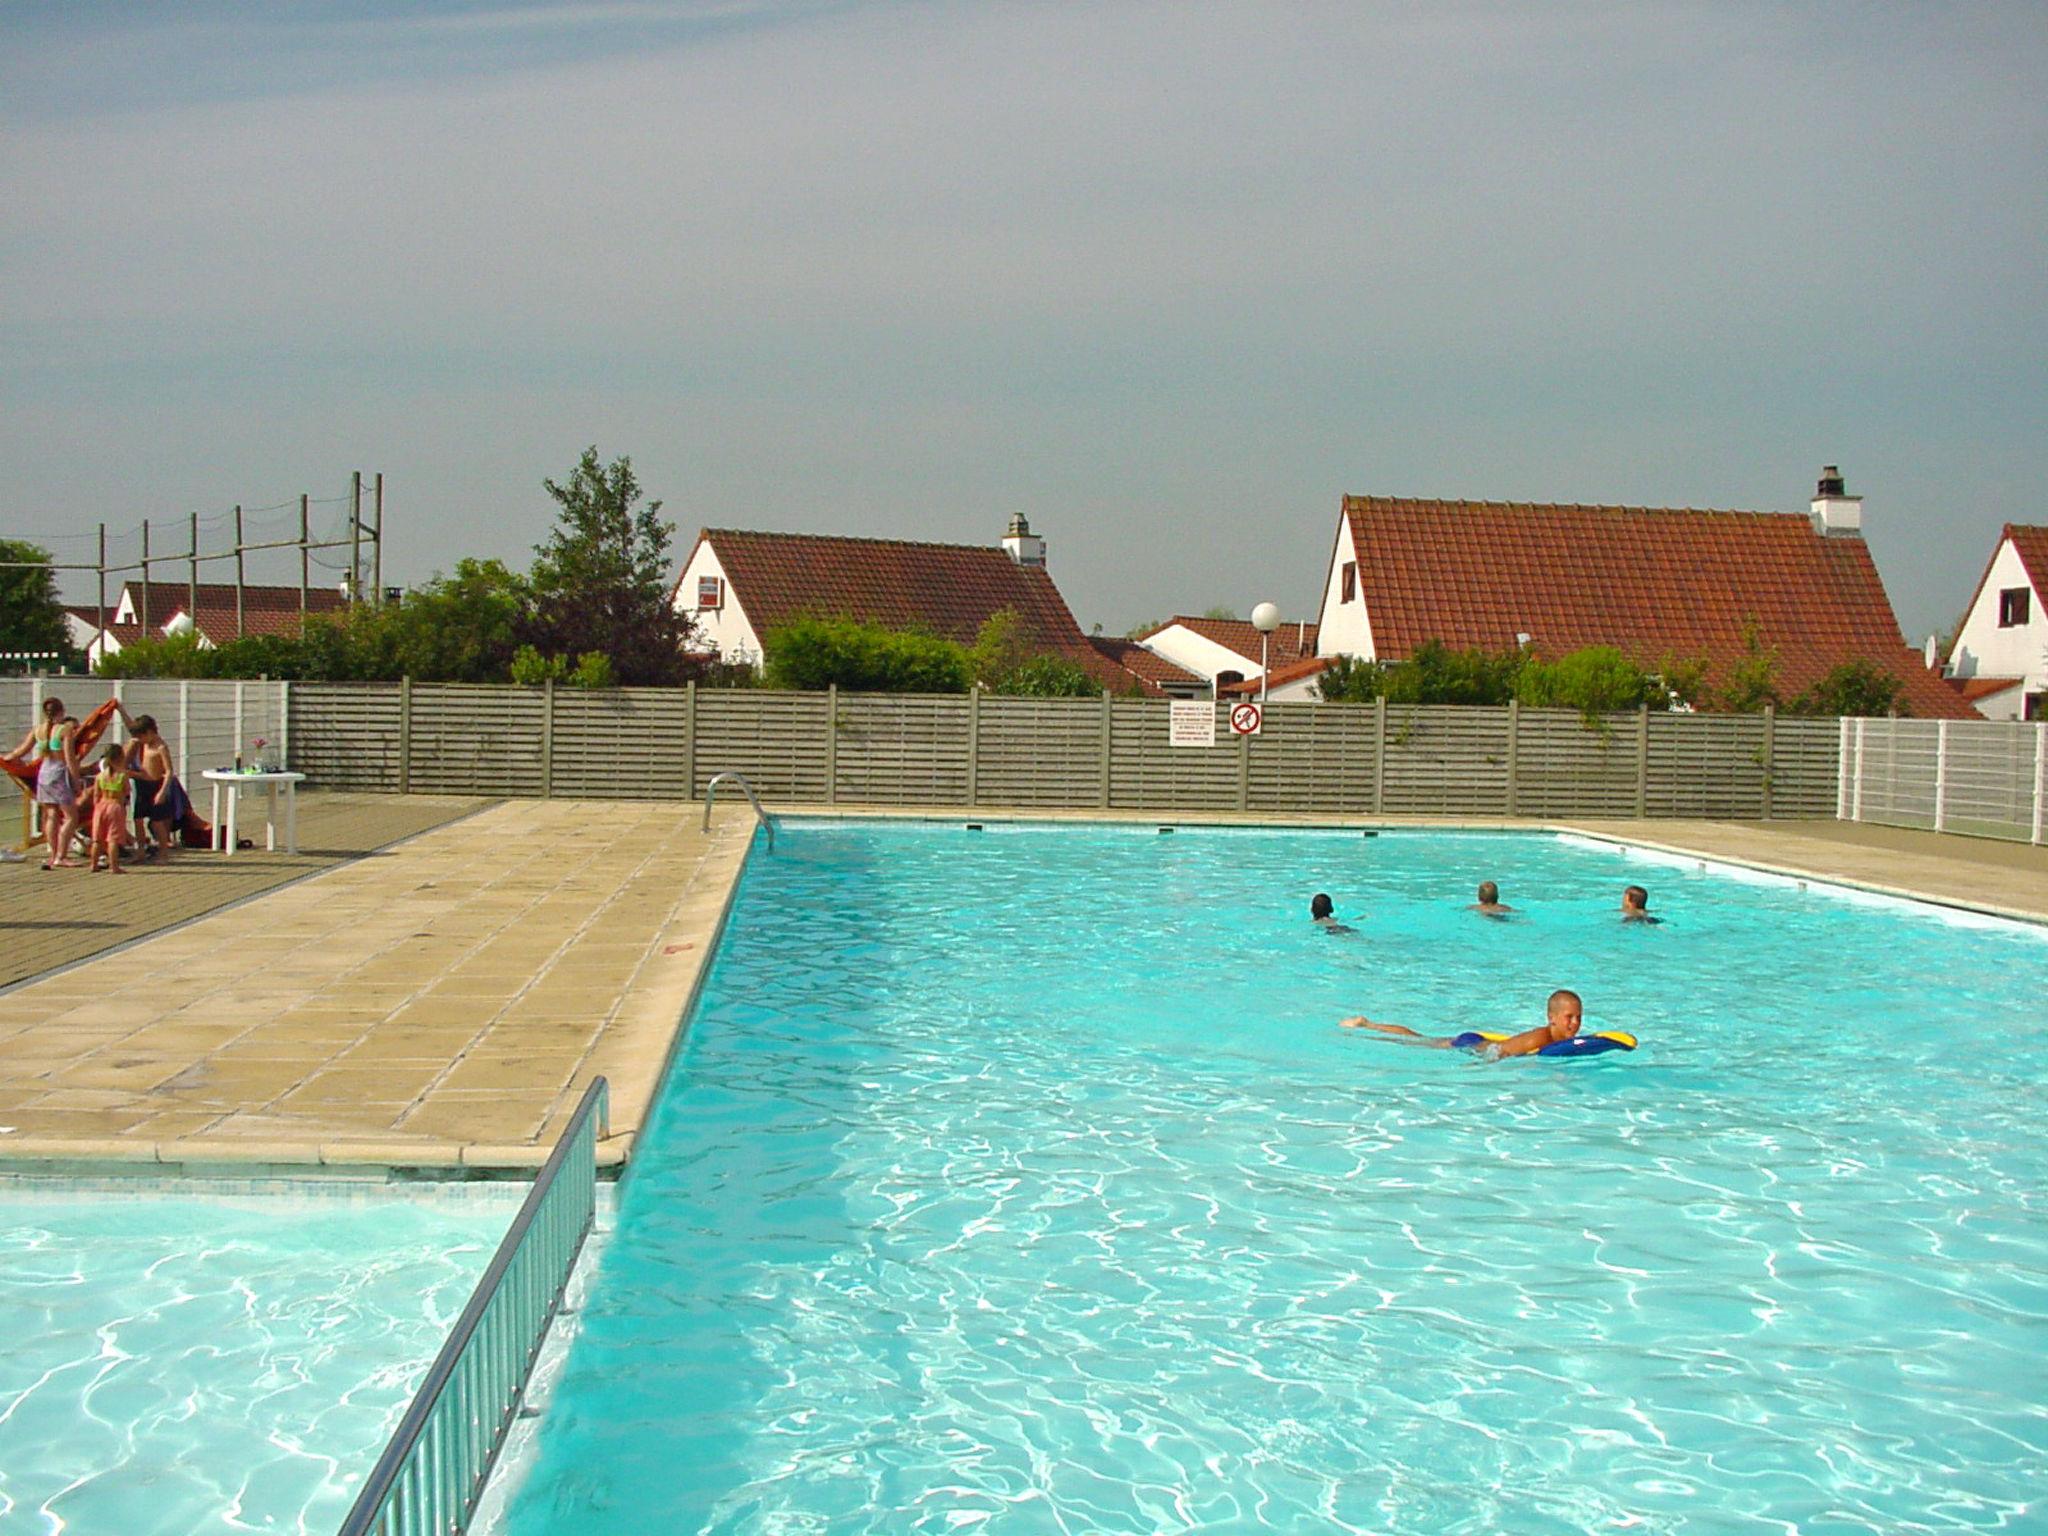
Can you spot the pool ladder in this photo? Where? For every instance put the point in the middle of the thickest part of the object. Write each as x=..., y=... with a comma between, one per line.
x=760, y=811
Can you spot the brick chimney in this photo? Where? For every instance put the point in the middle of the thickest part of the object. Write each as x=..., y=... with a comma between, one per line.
x=1835, y=514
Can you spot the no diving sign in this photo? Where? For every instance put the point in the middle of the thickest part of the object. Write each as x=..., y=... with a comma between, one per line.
x=1245, y=718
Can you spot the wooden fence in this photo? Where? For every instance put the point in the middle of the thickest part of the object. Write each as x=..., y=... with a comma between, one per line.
x=984, y=750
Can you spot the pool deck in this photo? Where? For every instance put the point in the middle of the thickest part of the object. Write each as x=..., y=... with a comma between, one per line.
x=438, y=1007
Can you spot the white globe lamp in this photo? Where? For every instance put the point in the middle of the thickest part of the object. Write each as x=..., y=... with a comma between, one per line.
x=1265, y=619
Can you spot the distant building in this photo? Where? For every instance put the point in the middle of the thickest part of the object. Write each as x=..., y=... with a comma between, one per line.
x=1226, y=651
x=265, y=610
x=738, y=585
x=1654, y=583
x=1999, y=658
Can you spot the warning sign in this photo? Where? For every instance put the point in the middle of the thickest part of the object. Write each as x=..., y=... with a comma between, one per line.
x=1191, y=723
x=1245, y=718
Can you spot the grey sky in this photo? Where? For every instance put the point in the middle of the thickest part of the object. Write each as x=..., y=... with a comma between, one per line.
x=1170, y=279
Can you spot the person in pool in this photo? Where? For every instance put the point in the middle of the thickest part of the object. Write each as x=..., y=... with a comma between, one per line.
x=1562, y=1016
x=1635, y=906
x=1323, y=914
x=1489, y=903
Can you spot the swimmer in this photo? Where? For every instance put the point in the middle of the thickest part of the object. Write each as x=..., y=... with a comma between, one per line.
x=1635, y=906
x=1562, y=1016
x=1489, y=903
x=1323, y=915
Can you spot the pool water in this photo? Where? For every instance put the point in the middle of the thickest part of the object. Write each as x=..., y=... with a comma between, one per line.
x=177, y=1362
x=1021, y=1181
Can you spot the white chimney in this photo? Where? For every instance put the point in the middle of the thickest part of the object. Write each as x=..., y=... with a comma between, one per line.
x=1835, y=514
x=1024, y=546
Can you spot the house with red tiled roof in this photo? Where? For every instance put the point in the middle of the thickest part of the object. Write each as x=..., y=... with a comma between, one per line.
x=1656, y=583
x=215, y=620
x=1999, y=658
x=1226, y=651
x=1294, y=683
x=738, y=585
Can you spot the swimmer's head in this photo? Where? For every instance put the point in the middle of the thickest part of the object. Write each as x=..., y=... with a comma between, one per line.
x=1565, y=1012
x=1634, y=899
x=1489, y=893
x=1319, y=906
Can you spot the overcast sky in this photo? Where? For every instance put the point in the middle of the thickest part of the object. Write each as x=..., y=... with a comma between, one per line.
x=1170, y=279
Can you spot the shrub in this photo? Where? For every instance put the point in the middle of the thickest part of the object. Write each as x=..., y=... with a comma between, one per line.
x=1595, y=680
x=1854, y=688
x=817, y=653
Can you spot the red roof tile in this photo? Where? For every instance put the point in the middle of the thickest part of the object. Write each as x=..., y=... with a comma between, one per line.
x=2031, y=540
x=948, y=589
x=1653, y=582
x=1149, y=667
x=1291, y=641
x=168, y=597
x=1294, y=671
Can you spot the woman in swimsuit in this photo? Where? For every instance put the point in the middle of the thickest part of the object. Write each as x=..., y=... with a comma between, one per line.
x=56, y=778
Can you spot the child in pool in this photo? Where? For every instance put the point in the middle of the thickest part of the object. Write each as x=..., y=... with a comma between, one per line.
x=1562, y=1017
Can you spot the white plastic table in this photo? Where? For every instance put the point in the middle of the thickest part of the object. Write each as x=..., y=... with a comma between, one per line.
x=239, y=784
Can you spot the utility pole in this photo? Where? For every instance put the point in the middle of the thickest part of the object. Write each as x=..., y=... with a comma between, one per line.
x=355, y=536
x=238, y=570
x=144, y=615
x=192, y=580
x=377, y=547
x=102, y=615
x=305, y=557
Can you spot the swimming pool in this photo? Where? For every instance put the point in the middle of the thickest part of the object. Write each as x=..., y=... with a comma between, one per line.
x=1021, y=1181
x=183, y=1360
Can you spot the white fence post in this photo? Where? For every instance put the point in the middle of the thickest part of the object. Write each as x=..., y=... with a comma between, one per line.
x=284, y=723
x=184, y=732
x=1842, y=773
x=1941, y=776
x=1856, y=798
x=2040, y=775
x=239, y=685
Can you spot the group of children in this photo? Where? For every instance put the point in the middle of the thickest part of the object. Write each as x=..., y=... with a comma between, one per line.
x=1635, y=907
x=67, y=797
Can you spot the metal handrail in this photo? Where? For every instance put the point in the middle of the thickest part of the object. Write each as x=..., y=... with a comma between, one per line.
x=760, y=810
x=434, y=1469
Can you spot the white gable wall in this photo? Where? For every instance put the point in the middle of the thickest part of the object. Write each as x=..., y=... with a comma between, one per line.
x=727, y=629
x=1344, y=629
x=1982, y=649
x=1198, y=653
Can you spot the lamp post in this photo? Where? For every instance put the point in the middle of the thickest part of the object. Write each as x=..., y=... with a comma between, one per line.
x=1265, y=619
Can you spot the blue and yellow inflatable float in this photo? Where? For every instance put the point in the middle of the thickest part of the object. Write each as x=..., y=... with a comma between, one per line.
x=1595, y=1044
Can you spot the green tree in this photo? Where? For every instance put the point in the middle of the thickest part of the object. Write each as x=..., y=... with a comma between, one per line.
x=462, y=628
x=1594, y=680
x=600, y=580
x=812, y=652
x=1221, y=611
x=1753, y=679
x=1005, y=659
x=1352, y=680
x=1051, y=677
x=1855, y=687
x=159, y=656
x=31, y=615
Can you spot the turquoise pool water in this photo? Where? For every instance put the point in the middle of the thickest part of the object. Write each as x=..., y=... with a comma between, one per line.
x=1021, y=1181
x=174, y=1363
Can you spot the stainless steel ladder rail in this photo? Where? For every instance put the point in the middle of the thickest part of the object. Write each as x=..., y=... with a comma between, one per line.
x=760, y=810
x=433, y=1471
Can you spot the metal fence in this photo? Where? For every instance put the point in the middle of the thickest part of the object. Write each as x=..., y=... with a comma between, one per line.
x=206, y=723
x=1987, y=777
x=984, y=750
x=434, y=1470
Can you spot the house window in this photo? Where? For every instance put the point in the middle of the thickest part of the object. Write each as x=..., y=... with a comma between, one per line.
x=1350, y=581
x=2013, y=605
x=710, y=592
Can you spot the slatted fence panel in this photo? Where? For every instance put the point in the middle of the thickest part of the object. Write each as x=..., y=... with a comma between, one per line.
x=1898, y=769
x=1988, y=778
x=1705, y=765
x=621, y=744
x=901, y=749
x=776, y=739
x=471, y=739
x=1806, y=761
x=1039, y=752
x=1314, y=758
x=1445, y=761
x=344, y=735
x=1563, y=767
x=1147, y=773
